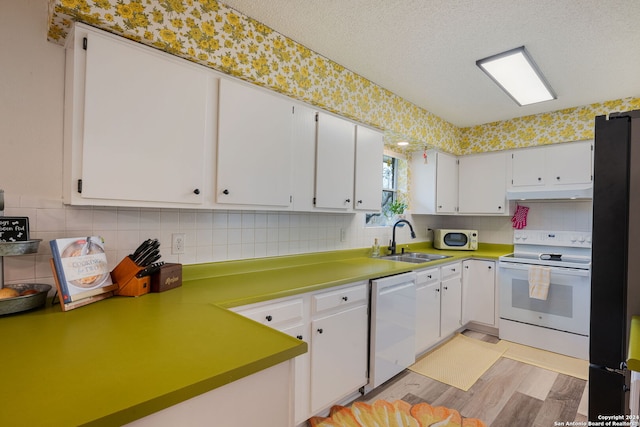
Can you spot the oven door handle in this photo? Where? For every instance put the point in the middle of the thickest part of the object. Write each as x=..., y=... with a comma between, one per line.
x=554, y=270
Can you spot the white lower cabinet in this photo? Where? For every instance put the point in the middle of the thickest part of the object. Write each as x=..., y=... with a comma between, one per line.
x=289, y=316
x=334, y=324
x=478, y=290
x=427, y=309
x=268, y=392
x=451, y=298
x=339, y=341
x=338, y=356
x=439, y=304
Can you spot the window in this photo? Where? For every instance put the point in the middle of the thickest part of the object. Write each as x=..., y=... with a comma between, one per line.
x=390, y=193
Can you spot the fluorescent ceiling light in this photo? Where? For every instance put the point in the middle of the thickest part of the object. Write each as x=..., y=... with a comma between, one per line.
x=516, y=73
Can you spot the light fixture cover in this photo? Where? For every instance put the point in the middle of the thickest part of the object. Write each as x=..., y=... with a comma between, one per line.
x=516, y=73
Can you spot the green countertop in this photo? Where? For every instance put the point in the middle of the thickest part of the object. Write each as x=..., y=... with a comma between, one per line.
x=633, y=358
x=123, y=358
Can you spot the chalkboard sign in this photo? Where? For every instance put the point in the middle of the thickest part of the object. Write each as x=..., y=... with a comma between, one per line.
x=14, y=229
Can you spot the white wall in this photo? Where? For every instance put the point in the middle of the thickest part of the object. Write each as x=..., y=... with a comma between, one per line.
x=31, y=118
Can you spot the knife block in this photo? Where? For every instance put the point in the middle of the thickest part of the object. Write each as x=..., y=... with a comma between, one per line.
x=128, y=284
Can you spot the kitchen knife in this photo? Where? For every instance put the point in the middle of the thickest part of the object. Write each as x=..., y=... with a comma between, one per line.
x=140, y=248
x=150, y=270
x=149, y=248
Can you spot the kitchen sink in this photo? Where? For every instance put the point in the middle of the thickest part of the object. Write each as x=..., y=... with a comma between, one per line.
x=414, y=257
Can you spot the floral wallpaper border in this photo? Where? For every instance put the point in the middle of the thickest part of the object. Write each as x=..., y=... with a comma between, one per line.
x=216, y=36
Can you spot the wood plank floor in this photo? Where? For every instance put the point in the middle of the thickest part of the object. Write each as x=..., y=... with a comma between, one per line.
x=510, y=393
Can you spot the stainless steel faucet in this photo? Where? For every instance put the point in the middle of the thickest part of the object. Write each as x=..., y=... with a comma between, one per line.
x=392, y=245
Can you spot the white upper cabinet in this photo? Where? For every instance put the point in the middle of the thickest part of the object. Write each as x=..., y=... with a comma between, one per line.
x=335, y=163
x=368, y=178
x=571, y=163
x=447, y=184
x=434, y=183
x=552, y=166
x=136, y=127
x=528, y=167
x=483, y=184
x=304, y=157
x=254, y=158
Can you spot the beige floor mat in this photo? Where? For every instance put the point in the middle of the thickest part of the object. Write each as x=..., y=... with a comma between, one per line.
x=545, y=359
x=459, y=362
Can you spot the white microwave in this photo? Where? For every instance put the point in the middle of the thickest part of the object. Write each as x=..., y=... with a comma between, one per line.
x=461, y=240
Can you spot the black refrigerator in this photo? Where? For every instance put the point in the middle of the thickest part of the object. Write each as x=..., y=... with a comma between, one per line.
x=615, y=274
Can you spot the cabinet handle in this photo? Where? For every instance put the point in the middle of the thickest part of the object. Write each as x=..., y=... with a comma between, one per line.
x=453, y=269
x=348, y=201
x=499, y=208
x=345, y=298
x=489, y=267
x=539, y=178
x=196, y=191
x=299, y=337
x=466, y=266
x=440, y=207
x=225, y=191
x=359, y=202
x=428, y=276
x=320, y=330
x=445, y=288
x=269, y=318
x=558, y=178
x=437, y=289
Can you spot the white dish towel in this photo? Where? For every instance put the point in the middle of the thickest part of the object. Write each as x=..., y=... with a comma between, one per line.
x=539, y=278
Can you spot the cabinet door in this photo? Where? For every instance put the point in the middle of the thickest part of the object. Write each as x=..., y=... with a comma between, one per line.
x=254, y=161
x=144, y=133
x=446, y=183
x=368, y=185
x=301, y=387
x=304, y=157
x=427, y=309
x=570, y=163
x=482, y=186
x=338, y=356
x=423, y=182
x=427, y=316
x=478, y=291
x=335, y=156
x=528, y=167
x=450, y=306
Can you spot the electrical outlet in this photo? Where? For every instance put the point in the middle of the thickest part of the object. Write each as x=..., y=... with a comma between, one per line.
x=177, y=243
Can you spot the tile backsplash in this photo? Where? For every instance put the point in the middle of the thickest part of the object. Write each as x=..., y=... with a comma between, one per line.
x=222, y=235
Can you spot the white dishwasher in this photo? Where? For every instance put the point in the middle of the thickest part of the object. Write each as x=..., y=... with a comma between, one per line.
x=393, y=327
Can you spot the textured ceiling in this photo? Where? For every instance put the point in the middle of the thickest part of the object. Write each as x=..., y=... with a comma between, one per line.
x=425, y=50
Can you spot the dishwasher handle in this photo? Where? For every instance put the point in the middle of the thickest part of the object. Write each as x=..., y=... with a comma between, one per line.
x=395, y=288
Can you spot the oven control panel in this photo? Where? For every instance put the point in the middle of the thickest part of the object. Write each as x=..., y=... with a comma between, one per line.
x=578, y=239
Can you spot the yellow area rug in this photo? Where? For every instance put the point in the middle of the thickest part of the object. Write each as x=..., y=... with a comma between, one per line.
x=393, y=414
x=462, y=360
x=459, y=362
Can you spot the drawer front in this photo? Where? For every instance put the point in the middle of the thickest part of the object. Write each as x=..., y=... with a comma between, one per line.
x=297, y=331
x=276, y=314
x=427, y=277
x=450, y=270
x=347, y=297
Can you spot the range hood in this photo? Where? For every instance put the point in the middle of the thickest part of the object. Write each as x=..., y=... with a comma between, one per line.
x=574, y=193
